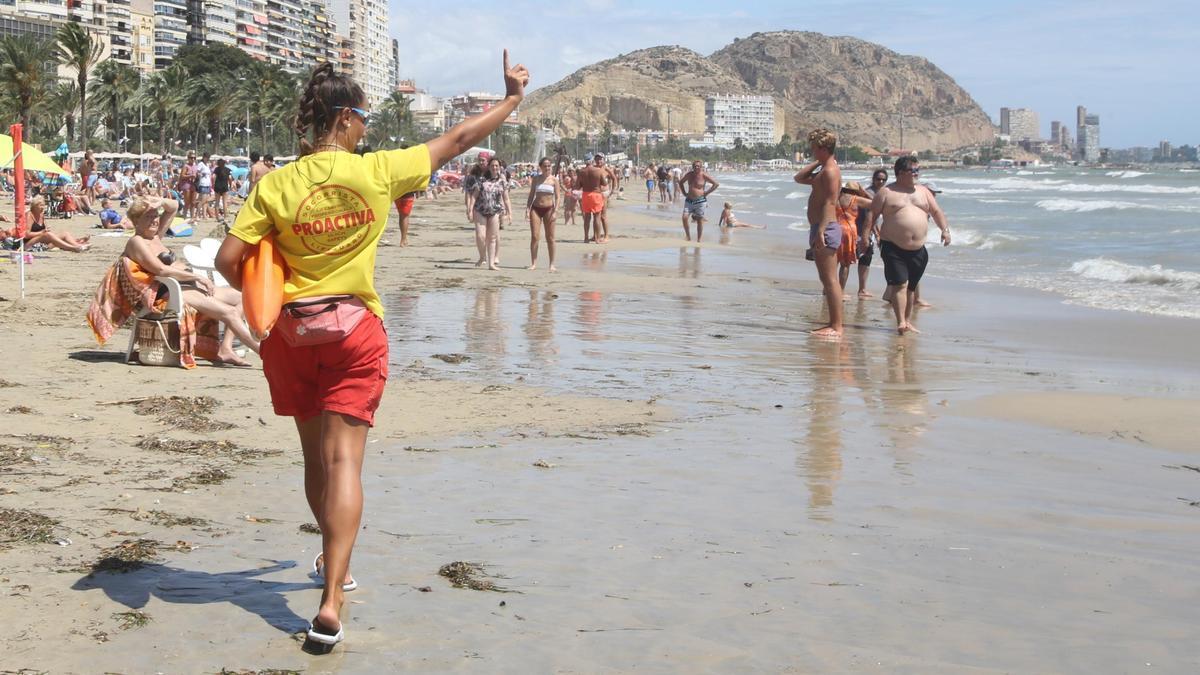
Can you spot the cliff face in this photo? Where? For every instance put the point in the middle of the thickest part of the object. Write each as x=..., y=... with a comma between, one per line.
x=855, y=87
x=634, y=91
x=858, y=88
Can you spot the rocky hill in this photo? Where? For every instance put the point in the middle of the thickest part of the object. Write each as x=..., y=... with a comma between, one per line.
x=860, y=89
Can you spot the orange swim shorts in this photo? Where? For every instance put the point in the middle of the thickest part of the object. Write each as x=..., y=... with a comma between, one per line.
x=593, y=202
x=405, y=204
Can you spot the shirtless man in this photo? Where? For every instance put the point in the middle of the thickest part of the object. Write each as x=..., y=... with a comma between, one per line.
x=612, y=186
x=650, y=175
x=906, y=208
x=824, y=230
x=258, y=169
x=591, y=182
x=694, y=184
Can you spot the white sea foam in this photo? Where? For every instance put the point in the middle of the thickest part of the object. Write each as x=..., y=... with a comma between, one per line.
x=968, y=238
x=798, y=226
x=1114, y=271
x=1126, y=174
x=1084, y=206
x=796, y=194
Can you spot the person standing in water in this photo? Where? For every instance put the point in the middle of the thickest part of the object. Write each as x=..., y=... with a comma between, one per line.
x=694, y=185
x=824, y=230
x=327, y=211
x=906, y=208
x=866, y=235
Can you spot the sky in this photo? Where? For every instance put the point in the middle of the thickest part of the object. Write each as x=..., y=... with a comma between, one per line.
x=1132, y=63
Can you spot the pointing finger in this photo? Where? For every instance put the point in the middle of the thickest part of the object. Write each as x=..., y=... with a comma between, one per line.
x=506, y=60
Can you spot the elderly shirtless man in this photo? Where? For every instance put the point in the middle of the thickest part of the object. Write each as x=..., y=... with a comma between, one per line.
x=906, y=208
x=824, y=230
x=695, y=187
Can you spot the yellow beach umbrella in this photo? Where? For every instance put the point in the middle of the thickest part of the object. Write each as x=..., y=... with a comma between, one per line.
x=35, y=160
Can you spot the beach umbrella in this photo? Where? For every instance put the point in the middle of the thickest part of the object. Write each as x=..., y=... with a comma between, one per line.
x=35, y=160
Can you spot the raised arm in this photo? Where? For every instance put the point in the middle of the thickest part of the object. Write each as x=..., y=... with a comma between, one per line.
x=805, y=176
x=467, y=134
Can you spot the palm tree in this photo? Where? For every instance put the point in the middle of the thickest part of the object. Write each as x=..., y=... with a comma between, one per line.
x=115, y=84
x=60, y=109
x=262, y=91
x=208, y=97
x=23, y=73
x=158, y=95
x=77, y=49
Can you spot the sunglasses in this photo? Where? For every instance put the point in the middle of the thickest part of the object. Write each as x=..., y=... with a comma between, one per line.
x=912, y=171
x=364, y=115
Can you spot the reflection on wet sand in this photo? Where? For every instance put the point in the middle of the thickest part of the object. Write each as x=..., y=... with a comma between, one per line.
x=485, y=331
x=595, y=260
x=819, y=455
x=588, y=316
x=539, y=326
x=906, y=401
x=689, y=262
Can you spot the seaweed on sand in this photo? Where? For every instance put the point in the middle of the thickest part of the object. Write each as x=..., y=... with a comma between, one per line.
x=18, y=526
x=210, y=476
x=127, y=556
x=469, y=575
x=202, y=447
x=132, y=619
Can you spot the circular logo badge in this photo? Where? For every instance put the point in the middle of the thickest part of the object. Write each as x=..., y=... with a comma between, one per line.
x=333, y=220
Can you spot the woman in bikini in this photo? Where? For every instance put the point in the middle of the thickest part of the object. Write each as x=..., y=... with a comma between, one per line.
x=540, y=211
x=39, y=233
x=186, y=185
x=331, y=379
x=150, y=217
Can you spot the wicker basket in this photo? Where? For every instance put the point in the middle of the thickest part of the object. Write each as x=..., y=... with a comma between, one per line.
x=155, y=340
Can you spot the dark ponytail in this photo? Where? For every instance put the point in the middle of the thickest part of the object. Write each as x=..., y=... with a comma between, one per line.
x=326, y=92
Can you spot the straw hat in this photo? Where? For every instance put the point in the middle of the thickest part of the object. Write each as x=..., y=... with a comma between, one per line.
x=854, y=187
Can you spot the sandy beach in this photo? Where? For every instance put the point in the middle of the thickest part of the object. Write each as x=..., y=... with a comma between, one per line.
x=653, y=465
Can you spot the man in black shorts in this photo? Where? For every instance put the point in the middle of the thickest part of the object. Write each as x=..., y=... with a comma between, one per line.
x=906, y=208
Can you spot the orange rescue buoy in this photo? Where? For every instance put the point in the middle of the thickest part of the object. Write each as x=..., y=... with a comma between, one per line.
x=263, y=272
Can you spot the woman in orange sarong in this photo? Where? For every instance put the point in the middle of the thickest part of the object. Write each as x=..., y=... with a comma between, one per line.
x=853, y=198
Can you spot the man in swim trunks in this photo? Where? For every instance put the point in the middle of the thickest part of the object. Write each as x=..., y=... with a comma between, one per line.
x=649, y=174
x=404, y=207
x=906, y=208
x=591, y=181
x=258, y=169
x=694, y=186
x=824, y=230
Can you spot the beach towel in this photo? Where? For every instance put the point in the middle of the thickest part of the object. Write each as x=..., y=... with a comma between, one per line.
x=125, y=290
x=847, y=253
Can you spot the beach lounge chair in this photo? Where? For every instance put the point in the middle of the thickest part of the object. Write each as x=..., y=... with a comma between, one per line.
x=174, y=304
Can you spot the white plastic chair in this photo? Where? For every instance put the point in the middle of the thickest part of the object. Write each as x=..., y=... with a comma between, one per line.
x=202, y=260
x=174, y=304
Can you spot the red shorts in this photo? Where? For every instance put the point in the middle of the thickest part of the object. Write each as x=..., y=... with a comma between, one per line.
x=347, y=376
x=404, y=204
x=593, y=202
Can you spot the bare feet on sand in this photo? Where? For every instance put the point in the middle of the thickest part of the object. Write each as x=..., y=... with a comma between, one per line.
x=403, y=243
x=865, y=294
x=553, y=268
x=923, y=305
x=827, y=332
x=494, y=267
x=906, y=328
x=229, y=358
x=479, y=263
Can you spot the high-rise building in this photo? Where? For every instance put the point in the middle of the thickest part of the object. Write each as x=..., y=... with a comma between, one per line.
x=252, y=27
x=1164, y=150
x=171, y=30
x=1019, y=124
x=212, y=22
x=1088, y=144
x=1056, y=132
x=1080, y=115
x=321, y=45
x=395, y=64
x=285, y=35
x=365, y=24
x=733, y=116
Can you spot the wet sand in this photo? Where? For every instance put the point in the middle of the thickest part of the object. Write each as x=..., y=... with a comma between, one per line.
x=649, y=451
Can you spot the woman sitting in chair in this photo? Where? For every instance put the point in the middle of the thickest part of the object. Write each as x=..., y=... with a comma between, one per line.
x=129, y=286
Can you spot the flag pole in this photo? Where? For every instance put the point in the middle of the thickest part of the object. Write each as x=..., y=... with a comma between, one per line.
x=19, y=196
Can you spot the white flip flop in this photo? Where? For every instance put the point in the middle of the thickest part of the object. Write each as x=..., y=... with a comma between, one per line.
x=325, y=638
x=316, y=572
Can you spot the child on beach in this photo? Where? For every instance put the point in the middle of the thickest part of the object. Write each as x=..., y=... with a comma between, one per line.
x=728, y=220
x=326, y=359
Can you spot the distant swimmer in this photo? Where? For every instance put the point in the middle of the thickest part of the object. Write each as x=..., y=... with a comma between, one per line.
x=730, y=221
x=906, y=208
x=695, y=187
x=824, y=230
x=591, y=184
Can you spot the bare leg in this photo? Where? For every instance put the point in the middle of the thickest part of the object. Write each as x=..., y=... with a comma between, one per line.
x=699, y=228
x=863, y=272
x=587, y=224
x=403, y=230
x=550, y=244
x=343, y=440
x=918, y=301
x=481, y=239
x=827, y=271
x=314, y=474
x=908, y=310
x=65, y=242
x=534, y=225
x=229, y=314
x=843, y=276
x=687, y=230
x=493, y=242
x=901, y=307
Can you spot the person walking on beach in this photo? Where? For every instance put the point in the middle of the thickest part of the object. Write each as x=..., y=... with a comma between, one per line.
x=650, y=175
x=571, y=195
x=906, y=208
x=404, y=209
x=824, y=230
x=540, y=210
x=591, y=183
x=866, y=234
x=327, y=211
x=694, y=186
x=612, y=184
x=675, y=174
x=664, y=180
x=490, y=202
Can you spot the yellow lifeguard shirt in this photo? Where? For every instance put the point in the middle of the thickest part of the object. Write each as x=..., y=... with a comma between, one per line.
x=328, y=211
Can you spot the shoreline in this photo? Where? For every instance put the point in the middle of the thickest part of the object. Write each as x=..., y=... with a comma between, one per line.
x=650, y=450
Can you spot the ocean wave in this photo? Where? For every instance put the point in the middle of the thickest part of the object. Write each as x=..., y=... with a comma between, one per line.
x=1018, y=184
x=1126, y=174
x=999, y=201
x=1114, y=271
x=972, y=239
x=798, y=226
x=796, y=194
x=1084, y=206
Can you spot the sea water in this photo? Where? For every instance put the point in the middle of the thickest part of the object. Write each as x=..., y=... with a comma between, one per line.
x=1125, y=240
